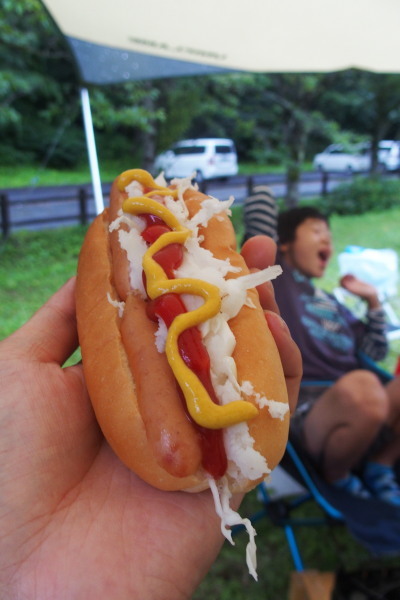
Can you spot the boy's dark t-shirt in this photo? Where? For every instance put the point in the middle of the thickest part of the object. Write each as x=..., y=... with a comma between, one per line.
x=327, y=333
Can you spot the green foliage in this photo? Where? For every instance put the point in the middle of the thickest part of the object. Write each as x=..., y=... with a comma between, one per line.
x=130, y=105
x=11, y=156
x=33, y=265
x=37, y=89
x=181, y=101
x=279, y=119
x=363, y=194
x=237, y=221
x=28, y=175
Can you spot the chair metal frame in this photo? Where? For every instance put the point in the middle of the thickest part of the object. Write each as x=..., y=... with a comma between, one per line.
x=280, y=510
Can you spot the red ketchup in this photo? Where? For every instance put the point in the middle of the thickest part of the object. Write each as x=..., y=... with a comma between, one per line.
x=190, y=344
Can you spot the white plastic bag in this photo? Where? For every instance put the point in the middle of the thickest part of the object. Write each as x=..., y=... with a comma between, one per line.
x=378, y=267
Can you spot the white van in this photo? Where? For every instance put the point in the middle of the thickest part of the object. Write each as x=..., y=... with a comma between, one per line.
x=208, y=158
x=338, y=158
x=389, y=155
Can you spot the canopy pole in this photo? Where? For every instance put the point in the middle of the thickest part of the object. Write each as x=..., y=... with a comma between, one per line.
x=91, y=146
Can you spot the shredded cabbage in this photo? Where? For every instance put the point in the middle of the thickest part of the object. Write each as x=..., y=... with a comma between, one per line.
x=277, y=410
x=135, y=248
x=161, y=336
x=116, y=304
x=222, y=495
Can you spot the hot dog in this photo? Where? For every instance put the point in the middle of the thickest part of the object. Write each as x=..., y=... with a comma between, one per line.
x=182, y=371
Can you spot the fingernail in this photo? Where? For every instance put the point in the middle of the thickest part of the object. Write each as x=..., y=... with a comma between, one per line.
x=275, y=322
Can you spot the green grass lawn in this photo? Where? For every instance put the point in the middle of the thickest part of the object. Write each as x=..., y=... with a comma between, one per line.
x=34, y=265
x=35, y=175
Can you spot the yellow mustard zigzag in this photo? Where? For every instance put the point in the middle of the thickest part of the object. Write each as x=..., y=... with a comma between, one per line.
x=200, y=406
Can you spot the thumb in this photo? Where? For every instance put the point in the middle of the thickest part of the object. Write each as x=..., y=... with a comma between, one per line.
x=50, y=335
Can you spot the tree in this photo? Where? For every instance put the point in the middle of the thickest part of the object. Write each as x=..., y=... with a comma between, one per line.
x=368, y=104
x=126, y=117
x=37, y=80
x=274, y=118
x=296, y=96
x=381, y=112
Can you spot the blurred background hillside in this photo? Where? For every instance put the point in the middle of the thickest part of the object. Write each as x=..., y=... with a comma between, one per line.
x=277, y=121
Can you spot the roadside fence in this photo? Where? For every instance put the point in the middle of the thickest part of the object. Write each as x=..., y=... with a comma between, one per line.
x=47, y=207
x=55, y=206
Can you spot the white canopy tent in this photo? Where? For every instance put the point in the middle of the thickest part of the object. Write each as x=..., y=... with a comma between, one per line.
x=126, y=39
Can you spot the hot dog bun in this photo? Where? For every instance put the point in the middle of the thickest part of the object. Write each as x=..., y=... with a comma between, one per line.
x=117, y=339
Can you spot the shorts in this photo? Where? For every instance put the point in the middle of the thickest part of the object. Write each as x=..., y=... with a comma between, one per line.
x=308, y=396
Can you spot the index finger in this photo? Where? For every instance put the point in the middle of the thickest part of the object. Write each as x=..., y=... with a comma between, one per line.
x=289, y=354
x=259, y=252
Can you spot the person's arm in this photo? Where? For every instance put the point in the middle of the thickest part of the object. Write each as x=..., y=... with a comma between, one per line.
x=260, y=213
x=373, y=340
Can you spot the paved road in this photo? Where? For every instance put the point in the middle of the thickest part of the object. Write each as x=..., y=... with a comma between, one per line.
x=310, y=186
x=54, y=206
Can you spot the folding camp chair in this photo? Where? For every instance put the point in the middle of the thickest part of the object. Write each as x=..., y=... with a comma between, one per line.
x=373, y=523
x=282, y=509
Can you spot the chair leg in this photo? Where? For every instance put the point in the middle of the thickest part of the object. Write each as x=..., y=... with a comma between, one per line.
x=294, y=548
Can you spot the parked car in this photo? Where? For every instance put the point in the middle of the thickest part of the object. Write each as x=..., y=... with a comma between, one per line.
x=208, y=158
x=337, y=158
x=389, y=155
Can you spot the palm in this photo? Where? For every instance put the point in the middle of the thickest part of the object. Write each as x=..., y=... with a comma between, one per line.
x=83, y=512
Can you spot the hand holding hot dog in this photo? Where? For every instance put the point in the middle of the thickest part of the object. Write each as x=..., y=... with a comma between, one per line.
x=182, y=370
x=75, y=521
x=259, y=252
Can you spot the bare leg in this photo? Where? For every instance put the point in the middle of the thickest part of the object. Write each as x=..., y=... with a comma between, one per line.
x=390, y=454
x=344, y=422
